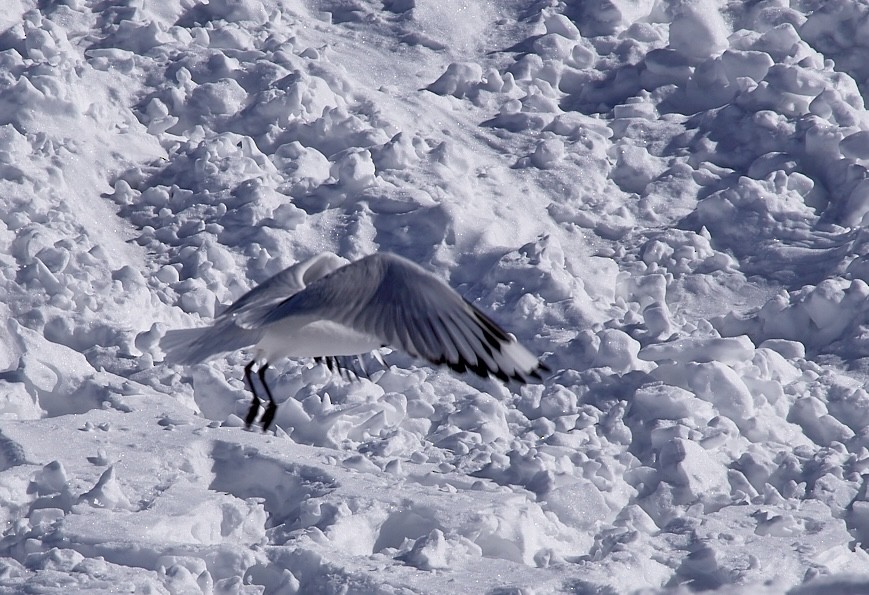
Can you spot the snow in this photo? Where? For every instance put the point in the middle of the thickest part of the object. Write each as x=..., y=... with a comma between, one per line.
x=663, y=199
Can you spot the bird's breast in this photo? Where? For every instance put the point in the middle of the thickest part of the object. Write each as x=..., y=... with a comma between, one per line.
x=314, y=339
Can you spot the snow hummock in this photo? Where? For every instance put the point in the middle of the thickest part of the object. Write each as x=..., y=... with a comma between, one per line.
x=663, y=200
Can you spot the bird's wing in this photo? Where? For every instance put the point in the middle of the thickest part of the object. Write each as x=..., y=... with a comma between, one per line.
x=277, y=288
x=405, y=306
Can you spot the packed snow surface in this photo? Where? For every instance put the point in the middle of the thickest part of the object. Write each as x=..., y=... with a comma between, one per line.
x=666, y=200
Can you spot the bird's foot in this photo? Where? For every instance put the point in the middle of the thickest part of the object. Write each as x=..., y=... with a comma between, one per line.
x=252, y=412
x=269, y=416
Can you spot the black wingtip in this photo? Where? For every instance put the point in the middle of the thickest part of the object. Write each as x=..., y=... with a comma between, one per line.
x=501, y=375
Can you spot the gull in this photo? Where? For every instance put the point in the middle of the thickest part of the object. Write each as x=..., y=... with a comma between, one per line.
x=328, y=308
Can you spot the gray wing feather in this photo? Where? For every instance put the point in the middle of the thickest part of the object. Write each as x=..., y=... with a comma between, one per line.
x=264, y=297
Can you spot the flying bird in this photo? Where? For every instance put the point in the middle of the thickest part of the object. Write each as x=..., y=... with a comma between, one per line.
x=329, y=309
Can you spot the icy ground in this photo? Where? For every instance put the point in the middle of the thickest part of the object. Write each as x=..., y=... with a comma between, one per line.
x=666, y=199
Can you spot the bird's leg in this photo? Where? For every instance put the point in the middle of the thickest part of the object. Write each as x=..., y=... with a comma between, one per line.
x=272, y=407
x=254, y=405
x=360, y=365
x=344, y=368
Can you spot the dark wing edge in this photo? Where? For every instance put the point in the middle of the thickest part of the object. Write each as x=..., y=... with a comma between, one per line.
x=420, y=313
x=465, y=339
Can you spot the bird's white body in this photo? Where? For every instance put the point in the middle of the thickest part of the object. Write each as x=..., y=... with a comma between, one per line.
x=320, y=338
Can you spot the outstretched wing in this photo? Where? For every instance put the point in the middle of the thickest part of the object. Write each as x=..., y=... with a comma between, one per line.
x=277, y=288
x=405, y=306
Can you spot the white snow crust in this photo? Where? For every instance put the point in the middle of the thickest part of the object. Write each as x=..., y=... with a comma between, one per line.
x=665, y=199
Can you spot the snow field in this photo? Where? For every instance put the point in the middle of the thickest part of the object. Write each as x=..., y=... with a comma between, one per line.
x=664, y=198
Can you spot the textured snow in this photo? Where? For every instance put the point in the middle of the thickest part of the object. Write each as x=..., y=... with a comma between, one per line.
x=664, y=199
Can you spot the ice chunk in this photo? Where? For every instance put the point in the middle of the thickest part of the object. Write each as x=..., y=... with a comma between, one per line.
x=548, y=153
x=107, y=493
x=618, y=351
x=435, y=551
x=746, y=63
x=656, y=317
x=856, y=145
x=559, y=24
x=686, y=464
x=51, y=479
x=797, y=80
x=668, y=67
x=716, y=383
x=611, y=16
x=787, y=349
x=699, y=30
x=635, y=167
x=661, y=401
x=780, y=42
x=354, y=170
x=727, y=350
x=399, y=153
x=553, y=47
x=578, y=504
x=812, y=415
x=458, y=80
x=225, y=97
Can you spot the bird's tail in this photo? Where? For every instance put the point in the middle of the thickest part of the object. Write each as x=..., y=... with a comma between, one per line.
x=195, y=345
